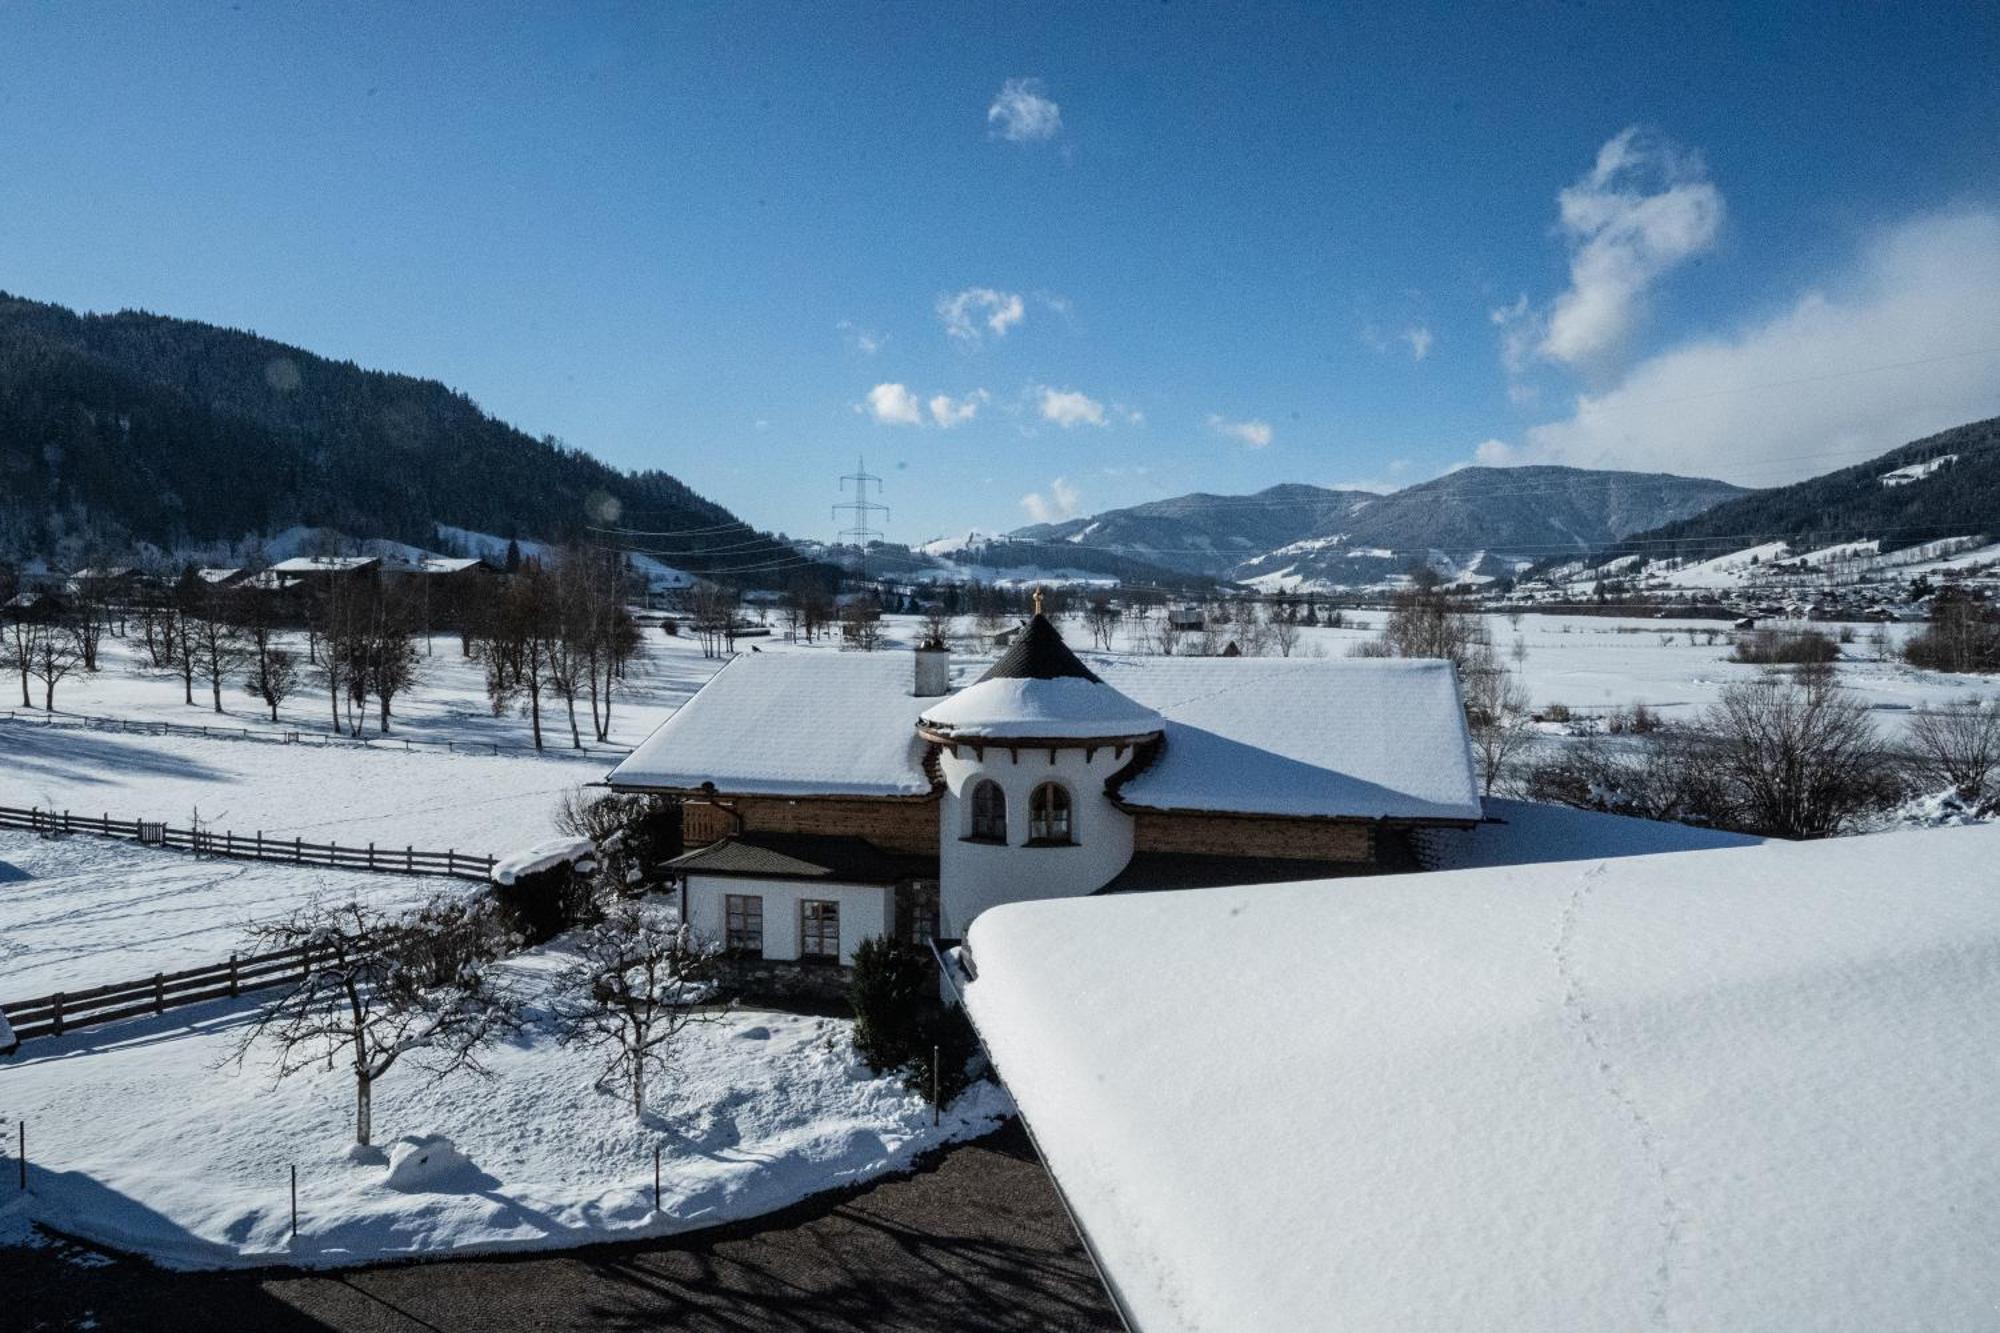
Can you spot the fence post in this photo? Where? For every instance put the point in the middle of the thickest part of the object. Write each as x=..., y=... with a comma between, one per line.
x=232, y=976
x=298, y=849
x=260, y=844
x=159, y=993
x=23, y=1156
x=656, y=1177
x=55, y=1005
x=371, y=856
x=295, y=1200
x=409, y=858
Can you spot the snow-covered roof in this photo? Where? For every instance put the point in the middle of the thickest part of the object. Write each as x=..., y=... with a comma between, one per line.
x=1040, y=689
x=1064, y=708
x=218, y=574
x=326, y=564
x=1360, y=738
x=792, y=724
x=542, y=856
x=1746, y=1088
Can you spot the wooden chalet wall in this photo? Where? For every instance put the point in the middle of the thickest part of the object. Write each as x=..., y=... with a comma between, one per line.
x=894, y=825
x=1252, y=835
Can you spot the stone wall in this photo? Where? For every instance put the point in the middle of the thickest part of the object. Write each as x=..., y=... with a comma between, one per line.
x=809, y=988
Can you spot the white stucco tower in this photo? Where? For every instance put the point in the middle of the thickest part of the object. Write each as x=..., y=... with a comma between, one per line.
x=1026, y=752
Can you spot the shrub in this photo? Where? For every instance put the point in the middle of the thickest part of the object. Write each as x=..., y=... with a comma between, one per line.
x=1770, y=647
x=901, y=1025
x=1961, y=636
x=891, y=983
x=1798, y=759
x=1959, y=748
x=945, y=1039
x=633, y=835
x=543, y=905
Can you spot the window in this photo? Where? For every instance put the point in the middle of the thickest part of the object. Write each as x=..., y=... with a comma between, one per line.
x=921, y=898
x=989, y=812
x=819, y=930
x=1048, y=813
x=743, y=923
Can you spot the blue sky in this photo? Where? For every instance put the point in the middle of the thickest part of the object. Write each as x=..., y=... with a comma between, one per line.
x=1033, y=261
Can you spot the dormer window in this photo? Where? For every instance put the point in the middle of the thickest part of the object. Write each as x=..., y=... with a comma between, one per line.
x=989, y=812
x=1048, y=814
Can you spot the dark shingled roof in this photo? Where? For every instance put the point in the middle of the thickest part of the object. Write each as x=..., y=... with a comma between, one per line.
x=804, y=856
x=1039, y=654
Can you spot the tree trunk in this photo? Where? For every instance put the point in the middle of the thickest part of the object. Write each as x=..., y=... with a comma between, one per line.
x=535, y=713
x=49, y=693
x=638, y=1088
x=215, y=690
x=385, y=714
x=575, y=736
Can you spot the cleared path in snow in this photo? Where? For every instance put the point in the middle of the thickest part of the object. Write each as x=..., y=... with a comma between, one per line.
x=974, y=1240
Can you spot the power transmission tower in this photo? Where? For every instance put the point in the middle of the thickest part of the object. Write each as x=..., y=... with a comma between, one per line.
x=860, y=508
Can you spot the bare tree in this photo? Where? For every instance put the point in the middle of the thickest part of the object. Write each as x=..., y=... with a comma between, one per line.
x=1426, y=621
x=1800, y=758
x=1959, y=747
x=274, y=676
x=24, y=634
x=56, y=652
x=637, y=984
x=1284, y=629
x=938, y=624
x=376, y=988
x=1102, y=618
x=714, y=618
x=1497, y=715
x=216, y=648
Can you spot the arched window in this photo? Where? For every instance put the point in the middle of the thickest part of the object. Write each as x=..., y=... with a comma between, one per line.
x=1048, y=813
x=989, y=811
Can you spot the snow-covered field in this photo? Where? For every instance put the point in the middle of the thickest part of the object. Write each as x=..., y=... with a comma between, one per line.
x=1727, y=1089
x=142, y=1136
x=84, y=911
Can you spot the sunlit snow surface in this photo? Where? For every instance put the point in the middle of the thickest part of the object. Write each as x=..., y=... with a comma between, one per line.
x=1723, y=1089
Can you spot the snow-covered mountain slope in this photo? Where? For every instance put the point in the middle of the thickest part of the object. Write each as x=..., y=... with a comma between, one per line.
x=1474, y=525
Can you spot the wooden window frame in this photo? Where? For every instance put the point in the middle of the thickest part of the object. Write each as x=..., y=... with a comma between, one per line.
x=1038, y=820
x=744, y=906
x=818, y=932
x=978, y=833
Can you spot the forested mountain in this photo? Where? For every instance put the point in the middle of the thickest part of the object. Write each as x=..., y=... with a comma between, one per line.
x=133, y=427
x=1476, y=521
x=1944, y=485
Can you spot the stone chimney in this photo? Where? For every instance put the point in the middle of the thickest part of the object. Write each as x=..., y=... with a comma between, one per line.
x=933, y=669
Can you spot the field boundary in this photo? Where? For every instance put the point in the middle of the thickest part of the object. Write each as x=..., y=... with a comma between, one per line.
x=288, y=851
x=66, y=1011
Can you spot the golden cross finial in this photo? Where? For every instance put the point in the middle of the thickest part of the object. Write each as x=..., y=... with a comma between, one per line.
x=1038, y=601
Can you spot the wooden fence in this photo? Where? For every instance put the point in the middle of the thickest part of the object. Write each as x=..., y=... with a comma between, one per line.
x=290, y=851
x=65, y=1011
x=289, y=736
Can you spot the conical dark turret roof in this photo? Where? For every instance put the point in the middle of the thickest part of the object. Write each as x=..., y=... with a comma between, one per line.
x=1039, y=690
x=1039, y=654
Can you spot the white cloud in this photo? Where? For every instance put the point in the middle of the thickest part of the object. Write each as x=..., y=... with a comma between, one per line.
x=1021, y=113
x=1419, y=338
x=1066, y=408
x=1903, y=342
x=894, y=405
x=1644, y=208
x=1061, y=502
x=947, y=411
x=1496, y=453
x=964, y=312
x=1254, y=433
x=860, y=339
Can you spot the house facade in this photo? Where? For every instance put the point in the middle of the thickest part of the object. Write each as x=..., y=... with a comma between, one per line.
x=828, y=798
